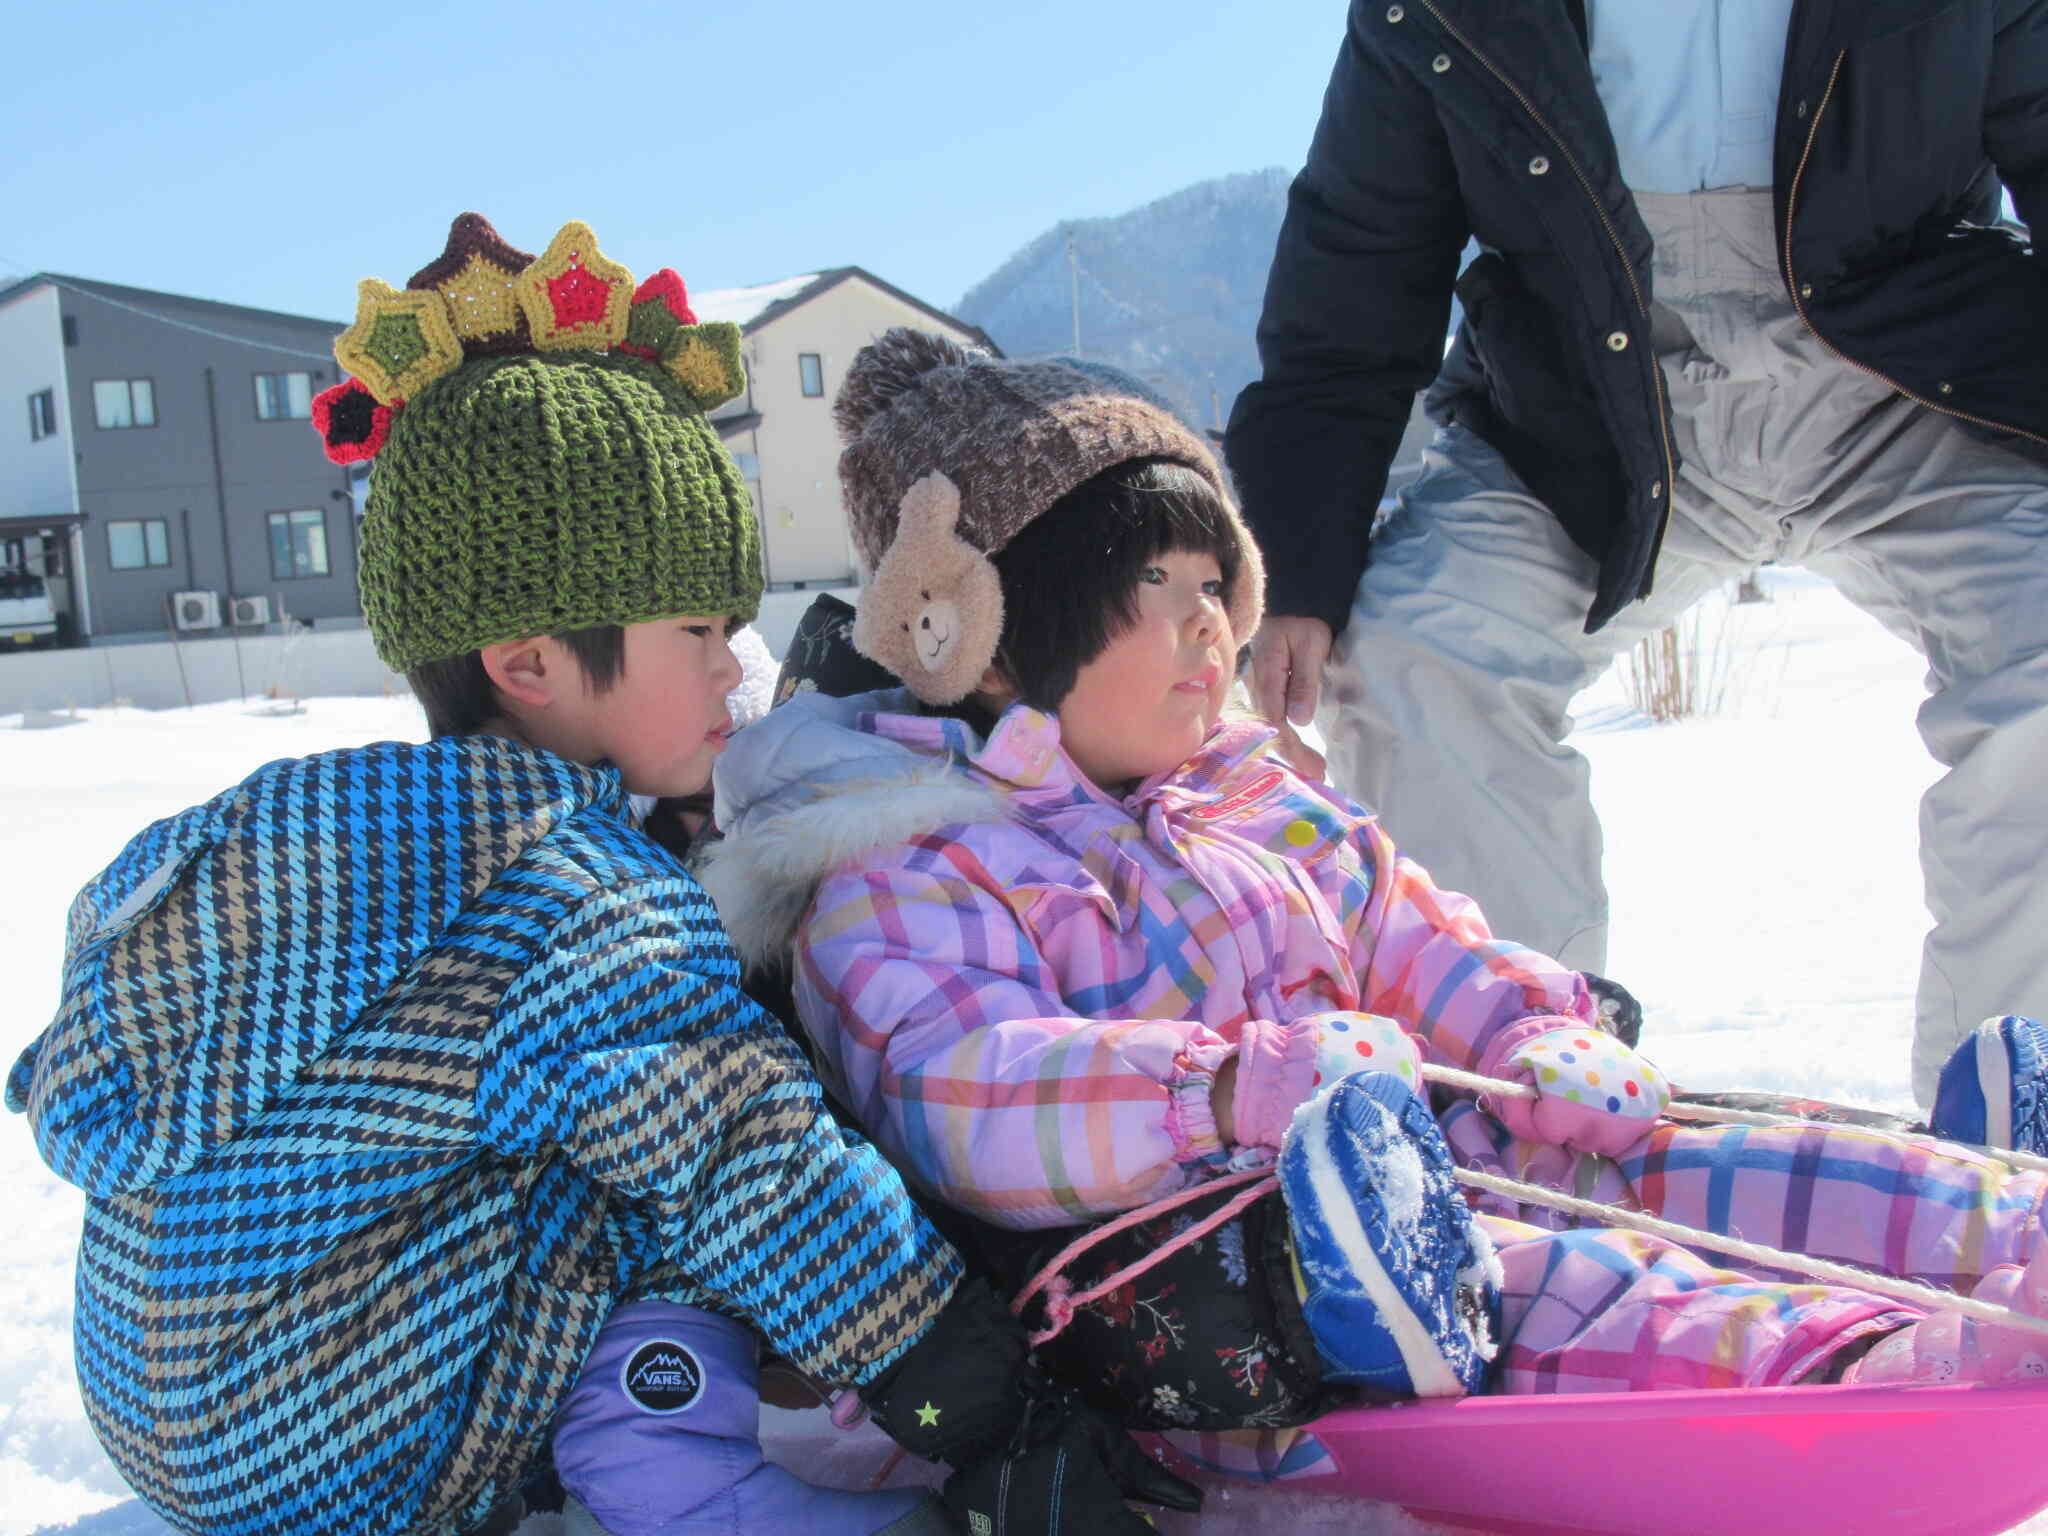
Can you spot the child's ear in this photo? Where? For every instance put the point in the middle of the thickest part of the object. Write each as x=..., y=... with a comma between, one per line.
x=526, y=672
x=995, y=686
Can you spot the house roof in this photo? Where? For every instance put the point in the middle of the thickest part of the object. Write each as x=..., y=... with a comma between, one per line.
x=742, y=420
x=743, y=306
x=752, y=308
x=748, y=308
x=148, y=298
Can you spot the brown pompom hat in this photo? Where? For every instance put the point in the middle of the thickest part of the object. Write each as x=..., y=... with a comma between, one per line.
x=949, y=454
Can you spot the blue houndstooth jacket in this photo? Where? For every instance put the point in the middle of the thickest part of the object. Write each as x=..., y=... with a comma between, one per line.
x=387, y=1073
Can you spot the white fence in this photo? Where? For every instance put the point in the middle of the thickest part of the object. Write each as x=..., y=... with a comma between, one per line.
x=163, y=675
x=312, y=663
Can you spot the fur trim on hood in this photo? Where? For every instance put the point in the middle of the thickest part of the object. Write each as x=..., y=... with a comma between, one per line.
x=805, y=791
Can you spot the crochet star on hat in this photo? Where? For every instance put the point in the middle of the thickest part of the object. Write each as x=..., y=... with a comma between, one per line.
x=540, y=457
x=949, y=453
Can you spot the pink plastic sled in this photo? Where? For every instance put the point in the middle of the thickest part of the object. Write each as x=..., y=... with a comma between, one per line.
x=1778, y=1461
x=1771, y=1461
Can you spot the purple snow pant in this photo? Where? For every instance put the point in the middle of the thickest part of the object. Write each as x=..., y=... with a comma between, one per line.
x=660, y=1437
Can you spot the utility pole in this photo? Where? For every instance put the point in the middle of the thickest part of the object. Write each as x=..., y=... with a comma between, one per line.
x=1074, y=288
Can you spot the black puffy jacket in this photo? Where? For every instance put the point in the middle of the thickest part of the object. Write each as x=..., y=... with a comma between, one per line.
x=1445, y=119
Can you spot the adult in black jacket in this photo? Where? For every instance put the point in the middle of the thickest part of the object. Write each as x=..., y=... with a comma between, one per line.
x=1839, y=359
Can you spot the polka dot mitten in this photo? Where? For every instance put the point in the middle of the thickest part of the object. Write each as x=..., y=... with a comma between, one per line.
x=1349, y=1042
x=1593, y=1094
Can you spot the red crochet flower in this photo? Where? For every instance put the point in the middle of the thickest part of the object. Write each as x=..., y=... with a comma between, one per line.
x=351, y=424
x=667, y=286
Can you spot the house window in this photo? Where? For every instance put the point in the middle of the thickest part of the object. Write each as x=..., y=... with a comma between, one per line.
x=284, y=396
x=70, y=329
x=812, y=369
x=123, y=403
x=749, y=464
x=42, y=415
x=298, y=544
x=138, y=544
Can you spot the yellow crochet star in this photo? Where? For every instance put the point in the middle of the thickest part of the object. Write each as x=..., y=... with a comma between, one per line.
x=927, y=1416
x=475, y=273
x=705, y=360
x=575, y=296
x=402, y=341
x=481, y=297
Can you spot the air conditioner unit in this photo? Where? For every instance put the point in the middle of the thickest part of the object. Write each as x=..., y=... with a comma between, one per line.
x=195, y=610
x=249, y=610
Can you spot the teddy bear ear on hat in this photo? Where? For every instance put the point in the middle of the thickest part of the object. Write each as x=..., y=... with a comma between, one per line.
x=934, y=610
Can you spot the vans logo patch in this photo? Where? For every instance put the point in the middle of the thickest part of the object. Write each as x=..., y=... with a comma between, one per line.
x=1260, y=787
x=662, y=1376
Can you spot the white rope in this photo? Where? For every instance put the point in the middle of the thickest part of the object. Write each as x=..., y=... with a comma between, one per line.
x=1926, y=1297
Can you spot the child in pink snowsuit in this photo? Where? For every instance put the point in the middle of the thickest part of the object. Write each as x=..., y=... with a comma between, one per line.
x=1068, y=939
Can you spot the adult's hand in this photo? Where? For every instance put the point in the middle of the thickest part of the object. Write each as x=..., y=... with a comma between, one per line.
x=1288, y=654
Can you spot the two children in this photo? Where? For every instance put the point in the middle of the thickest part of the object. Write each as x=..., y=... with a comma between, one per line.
x=1068, y=939
x=420, y=1113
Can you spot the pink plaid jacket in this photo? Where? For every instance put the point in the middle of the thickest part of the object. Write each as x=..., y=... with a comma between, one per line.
x=1024, y=988
x=1027, y=1008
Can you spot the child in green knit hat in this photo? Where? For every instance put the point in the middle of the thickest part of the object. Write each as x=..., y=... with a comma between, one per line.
x=557, y=549
x=424, y=1127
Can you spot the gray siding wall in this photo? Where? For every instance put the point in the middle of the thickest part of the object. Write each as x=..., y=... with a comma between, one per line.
x=217, y=525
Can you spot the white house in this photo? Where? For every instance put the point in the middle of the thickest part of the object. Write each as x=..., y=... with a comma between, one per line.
x=800, y=334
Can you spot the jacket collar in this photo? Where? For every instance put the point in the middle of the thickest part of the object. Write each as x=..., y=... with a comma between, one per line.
x=1023, y=754
x=801, y=796
x=1513, y=28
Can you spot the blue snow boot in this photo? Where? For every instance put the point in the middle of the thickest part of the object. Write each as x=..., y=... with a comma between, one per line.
x=661, y=1437
x=1401, y=1287
x=1994, y=1090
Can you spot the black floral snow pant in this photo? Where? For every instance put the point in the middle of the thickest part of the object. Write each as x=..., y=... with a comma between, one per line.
x=1210, y=1338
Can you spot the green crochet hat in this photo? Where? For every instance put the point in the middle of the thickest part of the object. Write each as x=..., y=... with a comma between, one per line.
x=552, y=468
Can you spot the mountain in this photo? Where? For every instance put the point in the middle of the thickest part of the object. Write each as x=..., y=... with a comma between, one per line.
x=1170, y=291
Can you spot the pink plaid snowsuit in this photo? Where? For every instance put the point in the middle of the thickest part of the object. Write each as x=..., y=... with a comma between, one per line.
x=1024, y=987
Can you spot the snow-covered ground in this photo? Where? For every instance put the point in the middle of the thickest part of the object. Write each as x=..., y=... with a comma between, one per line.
x=1766, y=900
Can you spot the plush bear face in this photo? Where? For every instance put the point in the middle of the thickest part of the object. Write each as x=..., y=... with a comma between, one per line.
x=934, y=610
x=936, y=632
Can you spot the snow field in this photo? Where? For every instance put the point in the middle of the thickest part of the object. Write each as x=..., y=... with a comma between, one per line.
x=1767, y=913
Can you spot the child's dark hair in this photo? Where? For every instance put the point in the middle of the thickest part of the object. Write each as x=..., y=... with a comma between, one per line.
x=1070, y=576
x=458, y=694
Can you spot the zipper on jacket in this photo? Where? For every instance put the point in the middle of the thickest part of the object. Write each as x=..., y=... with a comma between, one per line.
x=1620, y=250
x=1799, y=300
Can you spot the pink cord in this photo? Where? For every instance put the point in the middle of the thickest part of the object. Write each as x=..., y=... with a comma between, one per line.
x=1061, y=1299
x=847, y=1409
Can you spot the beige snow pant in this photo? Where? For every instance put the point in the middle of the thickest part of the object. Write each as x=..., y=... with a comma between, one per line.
x=1445, y=704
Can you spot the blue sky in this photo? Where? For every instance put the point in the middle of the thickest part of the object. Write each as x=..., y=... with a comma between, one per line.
x=271, y=156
